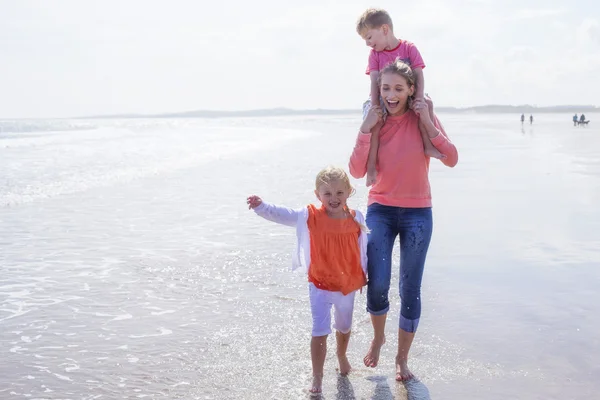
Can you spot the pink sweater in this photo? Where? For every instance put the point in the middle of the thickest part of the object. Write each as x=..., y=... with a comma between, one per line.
x=402, y=167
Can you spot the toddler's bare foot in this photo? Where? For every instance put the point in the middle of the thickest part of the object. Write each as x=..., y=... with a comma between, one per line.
x=433, y=152
x=345, y=367
x=371, y=176
x=372, y=357
x=317, y=384
x=403, y=374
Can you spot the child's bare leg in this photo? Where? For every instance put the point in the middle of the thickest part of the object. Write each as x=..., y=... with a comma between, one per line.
x=372, y=160
x=430, y=149
x=342, y=340
x=318, y=350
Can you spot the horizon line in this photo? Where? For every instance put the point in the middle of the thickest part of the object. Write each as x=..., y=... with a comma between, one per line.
x=282, y=111
x=286, y=111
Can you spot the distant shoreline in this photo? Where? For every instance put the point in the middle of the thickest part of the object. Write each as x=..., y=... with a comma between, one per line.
x=287, y=112
x=280, y=112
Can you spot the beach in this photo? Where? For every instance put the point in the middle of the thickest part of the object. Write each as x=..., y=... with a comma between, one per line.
x=130, y=266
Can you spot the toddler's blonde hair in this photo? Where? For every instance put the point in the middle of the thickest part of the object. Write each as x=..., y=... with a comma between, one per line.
x=373, y=18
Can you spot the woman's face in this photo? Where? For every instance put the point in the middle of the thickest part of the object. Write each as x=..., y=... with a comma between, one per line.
x=395, y=91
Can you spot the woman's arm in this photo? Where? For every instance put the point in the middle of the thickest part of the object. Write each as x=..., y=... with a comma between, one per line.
x=441, y=142
x=360, y=154
x=435, y=131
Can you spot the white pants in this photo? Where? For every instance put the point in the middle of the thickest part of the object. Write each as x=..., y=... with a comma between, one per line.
x=320, y=307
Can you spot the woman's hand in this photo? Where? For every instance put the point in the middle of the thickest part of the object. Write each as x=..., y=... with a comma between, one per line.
x=253, y=202
x=374, y=117
x=421, y=107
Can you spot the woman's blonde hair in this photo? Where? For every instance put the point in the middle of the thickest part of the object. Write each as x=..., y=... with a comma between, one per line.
x=330, y=174
x=401, y=68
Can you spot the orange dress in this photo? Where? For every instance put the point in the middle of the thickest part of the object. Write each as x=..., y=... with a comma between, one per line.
x=334, y=252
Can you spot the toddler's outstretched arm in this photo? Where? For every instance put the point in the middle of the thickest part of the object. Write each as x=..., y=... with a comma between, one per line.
x=271, y=212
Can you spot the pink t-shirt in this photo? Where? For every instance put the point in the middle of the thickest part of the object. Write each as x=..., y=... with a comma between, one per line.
x=402, y=166
x=406, y=51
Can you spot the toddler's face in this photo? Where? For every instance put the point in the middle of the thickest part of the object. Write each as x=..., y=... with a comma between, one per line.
x=374, y=38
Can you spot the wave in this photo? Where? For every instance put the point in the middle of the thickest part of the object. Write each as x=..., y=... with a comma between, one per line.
x=44, y=166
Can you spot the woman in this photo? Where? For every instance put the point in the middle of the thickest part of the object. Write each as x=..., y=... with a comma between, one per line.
x=399, y=204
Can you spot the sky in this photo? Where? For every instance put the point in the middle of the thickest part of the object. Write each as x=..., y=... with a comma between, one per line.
x=68, y=58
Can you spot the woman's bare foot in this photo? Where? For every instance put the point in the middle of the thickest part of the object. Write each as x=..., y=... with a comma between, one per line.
x=371, y=176
x=403, y=374
x=317, y=384
x=345, y=367
x=372, y=357
x=433, y=152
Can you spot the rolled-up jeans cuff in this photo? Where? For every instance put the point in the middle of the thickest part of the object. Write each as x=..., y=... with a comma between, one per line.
x=380, y=312
x=409, y=325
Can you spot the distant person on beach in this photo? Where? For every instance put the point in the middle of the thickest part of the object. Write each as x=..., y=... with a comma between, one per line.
x=530, y=119
x=376, y=28
x=582, y=118
x=399, y=204
x=331, y=245
x=575, y=120
x=522, y=118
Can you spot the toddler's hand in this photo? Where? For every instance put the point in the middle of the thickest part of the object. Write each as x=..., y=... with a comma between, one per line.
x=253, y=202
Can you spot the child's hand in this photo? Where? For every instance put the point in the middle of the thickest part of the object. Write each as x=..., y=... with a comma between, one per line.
x=374, y=116
x=253, y=202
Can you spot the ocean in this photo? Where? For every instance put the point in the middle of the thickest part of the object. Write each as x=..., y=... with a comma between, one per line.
x=130, y=266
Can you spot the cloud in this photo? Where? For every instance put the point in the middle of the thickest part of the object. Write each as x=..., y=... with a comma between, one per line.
x=538, y=13
x=152, y=56
x=588, y=34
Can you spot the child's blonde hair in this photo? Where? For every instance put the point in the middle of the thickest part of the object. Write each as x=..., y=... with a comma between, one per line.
x=373, y=18
x=330, y=174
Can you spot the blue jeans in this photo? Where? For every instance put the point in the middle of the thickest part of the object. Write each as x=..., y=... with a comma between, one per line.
x=414, y=225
